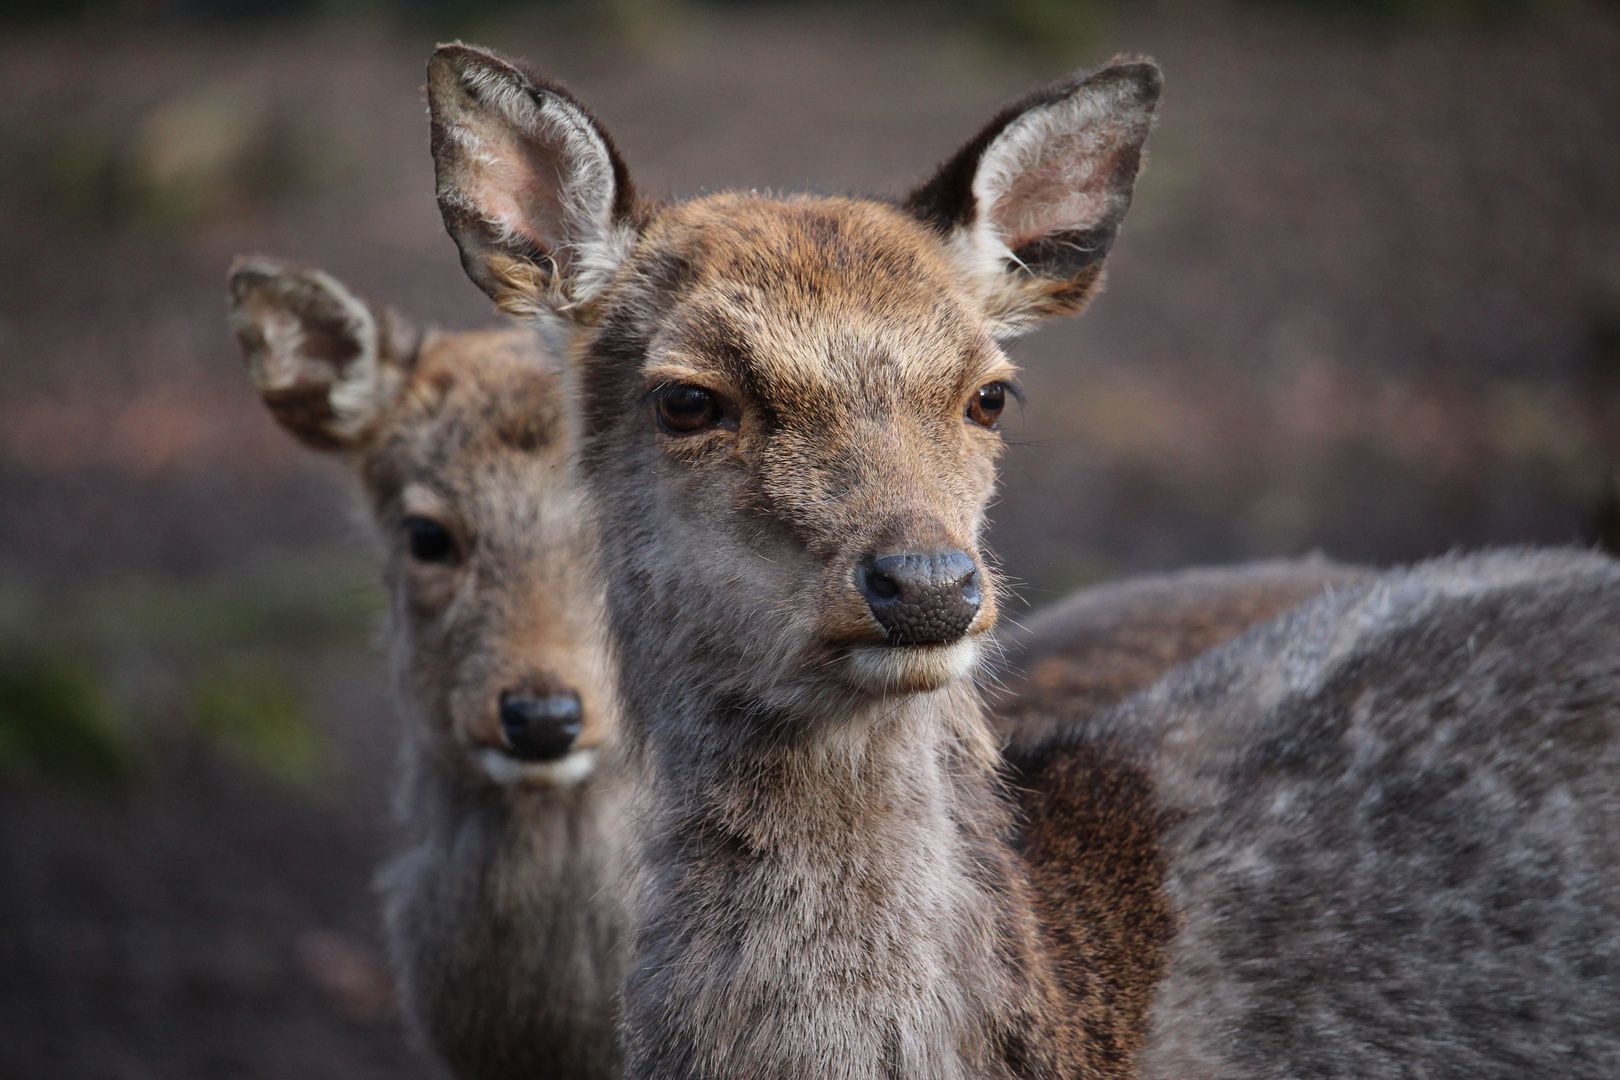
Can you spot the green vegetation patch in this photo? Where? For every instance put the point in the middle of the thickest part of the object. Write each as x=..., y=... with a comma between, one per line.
x=98, y=677
x=57, y=722
x=255, y=708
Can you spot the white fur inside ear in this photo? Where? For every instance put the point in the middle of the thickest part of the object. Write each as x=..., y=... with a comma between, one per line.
x=505, y=769
x=366, y=384
x=298, y=350
x=1051, y=171
x=546, y=181
x=1043, y=174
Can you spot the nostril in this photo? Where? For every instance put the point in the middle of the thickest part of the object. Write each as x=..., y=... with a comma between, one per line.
x=540, y=727
x=878, y=585
x=970, y=588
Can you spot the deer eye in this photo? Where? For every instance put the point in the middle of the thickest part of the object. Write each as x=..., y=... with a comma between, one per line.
x=430, y=542
x=984, y=407
x=685, y=408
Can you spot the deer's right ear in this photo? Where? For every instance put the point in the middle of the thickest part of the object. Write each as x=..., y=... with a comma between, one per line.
x=529, y=183
x=324, y=363
x=1030, y=206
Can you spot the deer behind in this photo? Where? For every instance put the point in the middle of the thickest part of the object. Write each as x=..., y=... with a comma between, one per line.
x=503, y=918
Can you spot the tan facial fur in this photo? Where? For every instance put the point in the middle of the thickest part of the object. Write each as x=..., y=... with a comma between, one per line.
x=850, y=435
x=476, y=444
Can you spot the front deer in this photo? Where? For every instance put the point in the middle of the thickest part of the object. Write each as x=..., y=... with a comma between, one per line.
x=788, y=413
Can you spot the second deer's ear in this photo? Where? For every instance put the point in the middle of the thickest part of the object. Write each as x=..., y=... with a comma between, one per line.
x=325, y=364
x=1031, y=205
x=529, y=184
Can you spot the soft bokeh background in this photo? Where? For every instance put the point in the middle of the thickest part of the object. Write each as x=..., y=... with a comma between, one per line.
x=1368, y=302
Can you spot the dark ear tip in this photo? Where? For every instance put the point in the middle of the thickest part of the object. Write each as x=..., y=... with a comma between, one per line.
x=1142, y=76
x=456, y=54
x=457, y=61
x=250, y=272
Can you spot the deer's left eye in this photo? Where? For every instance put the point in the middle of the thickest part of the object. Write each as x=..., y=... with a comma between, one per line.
x=430, y=542
x=984, y=407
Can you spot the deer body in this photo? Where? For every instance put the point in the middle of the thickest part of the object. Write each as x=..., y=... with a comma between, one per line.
x=1099, y=645
x=504, y=918
x=1394, y=829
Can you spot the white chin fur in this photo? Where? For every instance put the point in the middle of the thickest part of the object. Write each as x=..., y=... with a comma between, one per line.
x=913, y=669
x=503, y=768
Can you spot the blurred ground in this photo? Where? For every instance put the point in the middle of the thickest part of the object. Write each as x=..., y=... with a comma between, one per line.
x=1368, y=302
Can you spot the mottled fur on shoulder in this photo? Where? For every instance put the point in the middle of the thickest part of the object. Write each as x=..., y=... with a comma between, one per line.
x=1099, y=645
x=1395, y=834
x=504, y=914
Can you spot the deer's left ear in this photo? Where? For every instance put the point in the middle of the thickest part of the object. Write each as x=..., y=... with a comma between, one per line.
x=1031, y=205
x=529, y=184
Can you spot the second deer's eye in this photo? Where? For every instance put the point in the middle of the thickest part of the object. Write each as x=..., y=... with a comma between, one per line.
x=984, y=407
x=685, y=408
x=430, y=542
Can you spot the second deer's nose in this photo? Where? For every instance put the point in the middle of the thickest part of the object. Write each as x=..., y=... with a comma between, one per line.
x=921, y=598
x=540, y=727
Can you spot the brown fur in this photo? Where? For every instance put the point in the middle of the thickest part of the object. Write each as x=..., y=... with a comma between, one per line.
x=503, y=919
x=833, y=881
x=1091, y=841
x=1092, y=822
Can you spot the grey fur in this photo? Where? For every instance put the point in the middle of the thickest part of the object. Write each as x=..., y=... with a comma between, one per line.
x=1402, y=850
x=505, y=927
x=1097, y=646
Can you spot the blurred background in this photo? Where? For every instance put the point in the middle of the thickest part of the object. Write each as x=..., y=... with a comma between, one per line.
x=1368, y=302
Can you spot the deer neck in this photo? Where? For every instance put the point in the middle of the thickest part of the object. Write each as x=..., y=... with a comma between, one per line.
x=842, y=905
x=504, y=918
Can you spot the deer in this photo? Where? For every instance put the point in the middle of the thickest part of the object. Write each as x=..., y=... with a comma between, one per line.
x=504, y=924
x=786, y=418
x=786, y=411
x=311, y=344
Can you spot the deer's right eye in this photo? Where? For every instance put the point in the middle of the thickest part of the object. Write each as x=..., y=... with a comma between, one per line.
x=685, y=408
x=430, y=542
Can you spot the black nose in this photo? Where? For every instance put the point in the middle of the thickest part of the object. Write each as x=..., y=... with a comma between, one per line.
x=921, y=598
x=540, y=727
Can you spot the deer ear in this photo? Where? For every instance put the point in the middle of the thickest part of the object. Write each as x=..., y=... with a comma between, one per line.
x=529, y=184
x=324, y=363
x=1031, y=205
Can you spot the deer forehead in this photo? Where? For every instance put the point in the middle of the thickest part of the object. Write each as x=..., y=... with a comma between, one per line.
x=481, y=429
x=807, y=303
x=465, y=406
